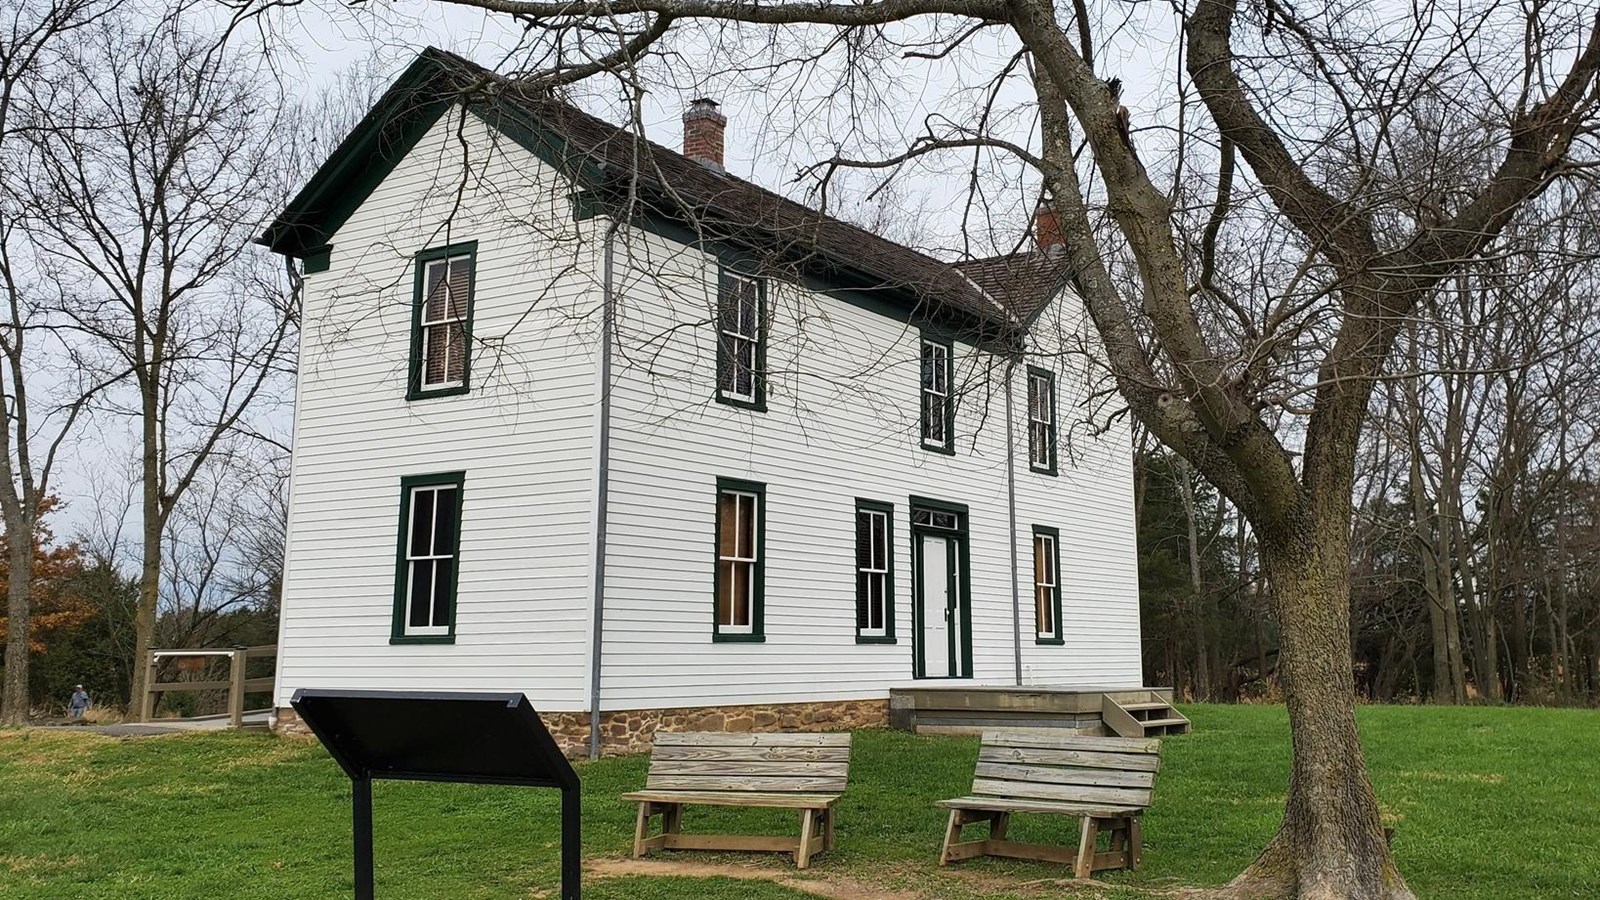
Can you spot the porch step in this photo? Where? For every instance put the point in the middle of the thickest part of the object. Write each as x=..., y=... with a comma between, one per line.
x=1145, y=719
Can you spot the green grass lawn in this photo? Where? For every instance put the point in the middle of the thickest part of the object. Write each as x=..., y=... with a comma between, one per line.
x=1495, y=804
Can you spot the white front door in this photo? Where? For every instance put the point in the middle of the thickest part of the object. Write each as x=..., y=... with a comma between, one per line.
x=936, y=557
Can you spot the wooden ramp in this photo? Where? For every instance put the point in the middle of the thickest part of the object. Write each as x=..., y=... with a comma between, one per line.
x=1145, y=718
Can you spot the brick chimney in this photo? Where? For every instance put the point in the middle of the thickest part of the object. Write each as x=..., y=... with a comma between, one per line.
x=1047, y=229
x=703, y=128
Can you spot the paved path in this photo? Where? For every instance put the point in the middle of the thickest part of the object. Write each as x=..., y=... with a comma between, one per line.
x=252, y=719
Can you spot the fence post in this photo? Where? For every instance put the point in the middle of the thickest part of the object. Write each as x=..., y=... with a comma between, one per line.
x=147, y=709
x=236, y=667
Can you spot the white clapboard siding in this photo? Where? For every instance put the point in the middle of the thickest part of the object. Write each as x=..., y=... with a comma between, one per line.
x=524, y=436
x=841, y=424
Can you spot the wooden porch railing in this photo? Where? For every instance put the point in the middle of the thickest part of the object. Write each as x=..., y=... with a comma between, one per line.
x=237, y=684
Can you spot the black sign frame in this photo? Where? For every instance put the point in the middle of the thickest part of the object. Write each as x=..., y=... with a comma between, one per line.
x=464, y=738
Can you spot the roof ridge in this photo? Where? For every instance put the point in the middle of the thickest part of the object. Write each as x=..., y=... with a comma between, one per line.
x=628, y=130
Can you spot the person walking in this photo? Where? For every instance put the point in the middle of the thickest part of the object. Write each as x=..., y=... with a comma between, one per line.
x=79, y=704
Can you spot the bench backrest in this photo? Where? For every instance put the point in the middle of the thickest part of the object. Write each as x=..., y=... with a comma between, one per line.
x=760, y=763
x=1102, y=771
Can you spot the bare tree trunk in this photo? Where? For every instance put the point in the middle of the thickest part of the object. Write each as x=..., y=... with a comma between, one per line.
x=19, y=548
x=1330, y=845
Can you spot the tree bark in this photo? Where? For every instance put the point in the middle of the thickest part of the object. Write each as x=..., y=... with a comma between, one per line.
x=1331, y=844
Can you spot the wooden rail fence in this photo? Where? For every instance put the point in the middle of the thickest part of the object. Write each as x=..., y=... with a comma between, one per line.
x=237, y=684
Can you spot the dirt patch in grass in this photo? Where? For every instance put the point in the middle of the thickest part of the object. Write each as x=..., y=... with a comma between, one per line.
x=38, y=865
x=837, y=887
x=830, y=886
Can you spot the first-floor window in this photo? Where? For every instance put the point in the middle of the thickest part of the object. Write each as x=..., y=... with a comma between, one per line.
x=874, y=572
x=1047, y=584
x=741, y=515
x=430, y=545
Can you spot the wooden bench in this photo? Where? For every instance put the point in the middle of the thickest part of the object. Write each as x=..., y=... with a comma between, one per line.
x=804, y=772
x=1105, y=781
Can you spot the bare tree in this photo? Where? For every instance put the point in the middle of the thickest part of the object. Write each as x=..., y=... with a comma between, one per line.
x=1264, y=386
x=158, y=163
x=42, y=393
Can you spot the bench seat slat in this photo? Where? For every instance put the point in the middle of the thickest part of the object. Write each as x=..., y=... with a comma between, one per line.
x=735, y=798
x=757, y=739
x=1084, y=758
x=752, y=754
x=729, y=781
x=1044, y=775
x=1066, y=793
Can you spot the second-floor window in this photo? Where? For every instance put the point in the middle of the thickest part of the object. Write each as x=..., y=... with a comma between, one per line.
x=938, y=408
x=1041, y=421
x=442, y=321
x=740, y=354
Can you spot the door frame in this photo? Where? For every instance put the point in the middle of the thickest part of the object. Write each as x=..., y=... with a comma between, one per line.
x=960, y=587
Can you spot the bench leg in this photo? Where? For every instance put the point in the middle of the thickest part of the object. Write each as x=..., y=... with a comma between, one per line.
x=1088, y=837
x=952, y=835
x=641, y=828
x=1135, y=843
x=827, y=829
x=999, y=825
x=802, y=856
x=672, y=819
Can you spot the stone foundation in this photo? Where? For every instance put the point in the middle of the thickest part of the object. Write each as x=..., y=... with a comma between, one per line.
x=632, y=731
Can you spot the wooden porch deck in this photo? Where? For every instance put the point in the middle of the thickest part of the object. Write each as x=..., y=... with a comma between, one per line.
x=970, y=709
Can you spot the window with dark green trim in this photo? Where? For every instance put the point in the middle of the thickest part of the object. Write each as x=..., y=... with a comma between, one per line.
x=938, y=399
x=1041, y=421
x=874, y=572
x=741, y=340
x=427, y=558
x=1047, y=585
x=441, y=322
x=741, y=560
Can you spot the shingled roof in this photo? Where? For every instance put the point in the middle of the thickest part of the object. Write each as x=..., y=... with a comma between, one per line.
x=998, y=294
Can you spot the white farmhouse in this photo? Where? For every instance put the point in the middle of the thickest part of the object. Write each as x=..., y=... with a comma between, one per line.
x=595, y=421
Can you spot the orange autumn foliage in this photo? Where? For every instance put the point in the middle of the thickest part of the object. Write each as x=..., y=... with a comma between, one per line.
x=56, y=608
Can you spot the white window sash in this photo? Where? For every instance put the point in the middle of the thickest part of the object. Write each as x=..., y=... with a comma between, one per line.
x=445, y=319
x=1041, y=403
x=740, y=342
x=752, y=561
x=430, y=558
x=1046, y=603
x=940, y=388
x=877, y=570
